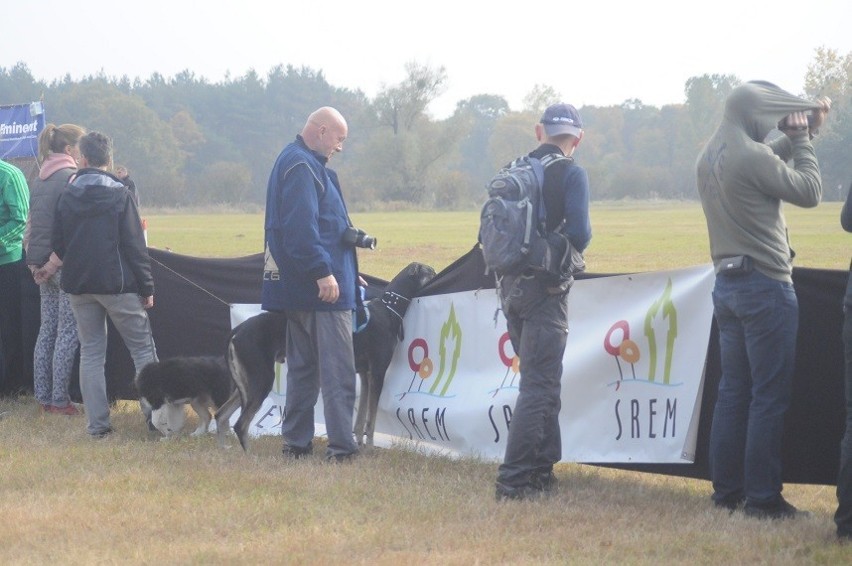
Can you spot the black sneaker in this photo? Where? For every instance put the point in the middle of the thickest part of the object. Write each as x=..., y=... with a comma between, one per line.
x=778, y=509
x=102, y=434
x=342, y=458
x=545, y=482
x=505, y=492
x=296, y=453
x=730, y=503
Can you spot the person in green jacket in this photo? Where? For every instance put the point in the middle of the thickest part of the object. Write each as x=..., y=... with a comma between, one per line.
x=14, y=206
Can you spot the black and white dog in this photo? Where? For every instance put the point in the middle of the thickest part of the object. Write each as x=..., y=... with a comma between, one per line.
x=167, y=385
x=259, y=342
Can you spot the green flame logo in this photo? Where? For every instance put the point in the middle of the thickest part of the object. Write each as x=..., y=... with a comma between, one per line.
x=449, y=349
x=665, y=304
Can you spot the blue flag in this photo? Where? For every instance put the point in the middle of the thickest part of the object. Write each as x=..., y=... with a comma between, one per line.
x=20, y=126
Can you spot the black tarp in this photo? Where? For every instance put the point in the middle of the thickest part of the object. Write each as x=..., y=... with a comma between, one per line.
x=191, y=317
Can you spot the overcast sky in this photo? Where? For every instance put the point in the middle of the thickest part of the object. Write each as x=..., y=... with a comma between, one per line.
x=592, y=52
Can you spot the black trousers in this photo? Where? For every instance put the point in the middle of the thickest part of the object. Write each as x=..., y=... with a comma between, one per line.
x=843, y=516
x=537, y=321
x=19, y=324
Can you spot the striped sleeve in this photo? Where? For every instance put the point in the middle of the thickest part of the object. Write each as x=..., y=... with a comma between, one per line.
x=14, y=205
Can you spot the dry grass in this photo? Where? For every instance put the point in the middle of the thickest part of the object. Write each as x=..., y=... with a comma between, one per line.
x=130, y=499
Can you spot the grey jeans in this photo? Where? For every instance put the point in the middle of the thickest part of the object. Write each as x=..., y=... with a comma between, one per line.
x=130, y=319
x=319, y=356
x=538, y=327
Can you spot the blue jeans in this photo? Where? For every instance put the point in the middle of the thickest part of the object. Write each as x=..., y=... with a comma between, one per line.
x=758, y=318
x=843, y=516
x=538, y=327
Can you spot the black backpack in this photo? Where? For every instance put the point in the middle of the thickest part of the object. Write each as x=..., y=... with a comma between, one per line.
x=512, y=224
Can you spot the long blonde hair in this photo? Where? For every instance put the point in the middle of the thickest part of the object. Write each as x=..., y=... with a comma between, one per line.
x=56, y=138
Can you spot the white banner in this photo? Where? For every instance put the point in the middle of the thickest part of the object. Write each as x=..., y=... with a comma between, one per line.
x=631, y=383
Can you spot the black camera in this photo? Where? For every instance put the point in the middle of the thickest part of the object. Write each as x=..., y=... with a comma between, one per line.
x=784, y=126
x=811, y=119
x=359, y=238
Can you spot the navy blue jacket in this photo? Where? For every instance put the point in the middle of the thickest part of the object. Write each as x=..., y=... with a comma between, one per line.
x=305, y=221
x=565, y=192
x=98, y=236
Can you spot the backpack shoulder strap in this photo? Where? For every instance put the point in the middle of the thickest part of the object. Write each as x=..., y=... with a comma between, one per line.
x=552, y=158
x=538, y=167
x=547, y=161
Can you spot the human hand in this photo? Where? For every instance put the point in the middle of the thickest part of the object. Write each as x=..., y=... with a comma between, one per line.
x=147, y=302
x=795, y=124
x=362, y=282
x=40, y=276
x=818, y=115
x=329, y=291
x=48, y=270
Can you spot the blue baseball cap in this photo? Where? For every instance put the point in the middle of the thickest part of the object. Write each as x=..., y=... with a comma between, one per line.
x=561, y=119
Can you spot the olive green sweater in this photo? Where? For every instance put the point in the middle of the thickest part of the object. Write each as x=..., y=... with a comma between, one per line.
x=742, y=180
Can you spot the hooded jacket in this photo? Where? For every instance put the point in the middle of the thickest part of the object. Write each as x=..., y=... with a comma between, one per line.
x=51, y=181
x=97, y=233
x=742, y=180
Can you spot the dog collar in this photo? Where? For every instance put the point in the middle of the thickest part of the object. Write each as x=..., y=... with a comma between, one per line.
x=395, y=303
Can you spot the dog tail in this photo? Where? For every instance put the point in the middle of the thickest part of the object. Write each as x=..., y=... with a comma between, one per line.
x=237, y=375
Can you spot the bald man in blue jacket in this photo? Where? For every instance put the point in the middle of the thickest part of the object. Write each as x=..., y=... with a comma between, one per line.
x=311, y=275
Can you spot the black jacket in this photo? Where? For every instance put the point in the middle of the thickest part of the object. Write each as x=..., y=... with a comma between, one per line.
x=98, y=235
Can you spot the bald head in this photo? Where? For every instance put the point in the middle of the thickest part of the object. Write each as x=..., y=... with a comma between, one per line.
x=325, y=131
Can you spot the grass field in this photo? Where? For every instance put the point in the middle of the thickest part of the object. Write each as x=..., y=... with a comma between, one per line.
x=638, y=236
x=129, y=499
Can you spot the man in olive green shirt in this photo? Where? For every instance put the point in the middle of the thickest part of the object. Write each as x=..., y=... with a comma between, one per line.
x=743, y=181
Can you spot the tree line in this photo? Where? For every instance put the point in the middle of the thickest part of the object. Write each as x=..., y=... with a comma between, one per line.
x=188, y=141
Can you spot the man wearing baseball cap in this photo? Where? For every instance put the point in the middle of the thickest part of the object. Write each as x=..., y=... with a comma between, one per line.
x=537, y=315
x=561, y=119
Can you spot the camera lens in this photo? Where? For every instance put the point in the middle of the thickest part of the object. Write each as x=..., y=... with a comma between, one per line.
x=359, y=238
